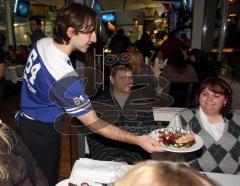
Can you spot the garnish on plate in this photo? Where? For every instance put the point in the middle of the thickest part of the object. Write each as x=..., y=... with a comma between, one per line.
x=177, y=139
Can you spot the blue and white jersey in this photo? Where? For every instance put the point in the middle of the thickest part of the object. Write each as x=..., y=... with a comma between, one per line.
x=51, y=86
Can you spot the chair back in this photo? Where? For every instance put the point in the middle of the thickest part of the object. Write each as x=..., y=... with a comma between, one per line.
x=165, y=113
x=181, y=93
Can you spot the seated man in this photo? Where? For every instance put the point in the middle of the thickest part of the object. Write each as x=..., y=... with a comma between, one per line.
x=121, y=106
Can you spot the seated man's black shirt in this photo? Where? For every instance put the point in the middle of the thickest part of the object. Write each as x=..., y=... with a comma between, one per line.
x=134, y=118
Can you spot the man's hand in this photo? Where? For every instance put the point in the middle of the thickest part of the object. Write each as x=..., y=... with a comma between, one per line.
x=148, y=144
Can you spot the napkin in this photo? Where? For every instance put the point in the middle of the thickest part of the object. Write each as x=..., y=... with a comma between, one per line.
x=95, y=172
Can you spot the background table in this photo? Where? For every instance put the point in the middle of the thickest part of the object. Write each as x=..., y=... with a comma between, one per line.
x=224, y=179
x=13, y=72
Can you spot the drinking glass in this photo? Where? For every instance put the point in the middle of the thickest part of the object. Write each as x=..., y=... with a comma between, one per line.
x=188, y=127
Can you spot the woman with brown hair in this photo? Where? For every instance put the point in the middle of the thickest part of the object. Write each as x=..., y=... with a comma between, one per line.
x=138, y=65
x=216, y=125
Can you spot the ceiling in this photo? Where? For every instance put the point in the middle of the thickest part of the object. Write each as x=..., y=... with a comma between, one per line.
x=114, y=4
x=107, y=4
x=129, y=4
x=58, y=3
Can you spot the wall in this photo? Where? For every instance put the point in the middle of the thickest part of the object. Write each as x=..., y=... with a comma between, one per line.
x=128, y=17
x=198, y=18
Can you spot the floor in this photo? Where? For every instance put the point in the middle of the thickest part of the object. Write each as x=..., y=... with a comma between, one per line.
x=68, y=145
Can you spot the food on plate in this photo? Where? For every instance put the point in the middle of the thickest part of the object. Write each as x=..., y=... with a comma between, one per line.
x=177, y=139
x=82, y=184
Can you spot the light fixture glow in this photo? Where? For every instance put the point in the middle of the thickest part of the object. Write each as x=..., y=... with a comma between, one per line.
x=93, y=3
x=15, y=6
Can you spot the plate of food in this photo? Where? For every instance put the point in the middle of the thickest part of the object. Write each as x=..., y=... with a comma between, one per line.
x=177, y=140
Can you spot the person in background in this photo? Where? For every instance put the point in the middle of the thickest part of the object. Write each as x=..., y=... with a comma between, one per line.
x=171, y=44
x=137, y=64
x=145, y=45
x=203, y=66
x=182, y=78
x=185, y=39
x=1, y=64
x=2, y=57
x=119, y=43
x=219, y=128
x=12, y=57
x=17, y=165
x=160, y=38
x=177, y=70
x=158, y=53
x=201, y=63
x=157, y=61
x=185, y=51
x=51, y=87
x=35, y=27
x=23, y=52
x=157, y=173
x=118, y=99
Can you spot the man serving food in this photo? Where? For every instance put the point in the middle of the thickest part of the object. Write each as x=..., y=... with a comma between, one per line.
x=50, y=87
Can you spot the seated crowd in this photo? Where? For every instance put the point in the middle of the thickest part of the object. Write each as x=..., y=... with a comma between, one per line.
x=210, y=118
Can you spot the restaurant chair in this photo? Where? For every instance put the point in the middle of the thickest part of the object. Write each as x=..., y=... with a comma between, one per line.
x=181, y=92
x=165, y=114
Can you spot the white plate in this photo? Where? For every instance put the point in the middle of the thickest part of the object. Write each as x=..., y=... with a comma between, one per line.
x=66, y=182
x=199, y=143
x=63, y=183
